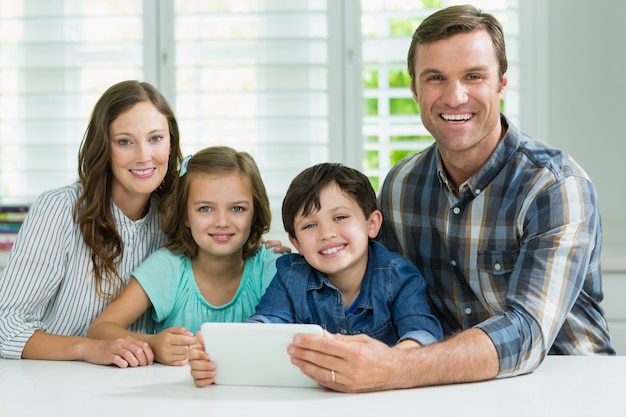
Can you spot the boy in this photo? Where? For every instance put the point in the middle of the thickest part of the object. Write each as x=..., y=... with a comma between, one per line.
x=340, y=278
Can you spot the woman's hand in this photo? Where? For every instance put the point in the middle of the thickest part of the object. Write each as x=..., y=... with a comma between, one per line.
x=122, y=352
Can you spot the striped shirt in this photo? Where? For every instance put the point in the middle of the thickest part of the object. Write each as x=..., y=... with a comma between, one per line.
x=517, y=254
x=48, y=282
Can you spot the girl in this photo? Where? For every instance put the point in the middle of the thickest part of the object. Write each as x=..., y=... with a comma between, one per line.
x=80, y=242
x=213, y=268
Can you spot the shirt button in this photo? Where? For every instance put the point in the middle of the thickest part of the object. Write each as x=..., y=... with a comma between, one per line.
x=343, y=331
x=456, y=210
x=453, y=262
x=468, y=311
x=497, y=266
x=478, y=191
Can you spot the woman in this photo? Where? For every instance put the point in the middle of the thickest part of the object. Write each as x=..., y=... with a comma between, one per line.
x=79, y=243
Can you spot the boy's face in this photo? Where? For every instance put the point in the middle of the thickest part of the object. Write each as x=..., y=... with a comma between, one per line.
x=335, y=239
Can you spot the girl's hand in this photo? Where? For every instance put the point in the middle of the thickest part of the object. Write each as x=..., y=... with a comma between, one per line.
x=172, y=346
x=278, y=247
x=203, y=371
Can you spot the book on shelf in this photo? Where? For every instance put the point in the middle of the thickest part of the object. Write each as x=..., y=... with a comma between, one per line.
x=11, y=219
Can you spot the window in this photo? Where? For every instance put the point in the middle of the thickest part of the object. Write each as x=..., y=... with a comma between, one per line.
x=56, y=58
x=292, y=82
x=392, y=128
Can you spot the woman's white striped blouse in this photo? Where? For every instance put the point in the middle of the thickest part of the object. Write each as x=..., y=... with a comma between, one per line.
x=48, y=283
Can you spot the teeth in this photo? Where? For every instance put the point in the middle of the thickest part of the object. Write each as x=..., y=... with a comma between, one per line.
x=333, y=250
x=141, y=171
x=456, y=117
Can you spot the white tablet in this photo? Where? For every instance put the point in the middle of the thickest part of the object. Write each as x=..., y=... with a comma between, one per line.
x=256, y=353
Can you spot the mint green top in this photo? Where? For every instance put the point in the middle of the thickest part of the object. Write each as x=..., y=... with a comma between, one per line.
x=168, y=280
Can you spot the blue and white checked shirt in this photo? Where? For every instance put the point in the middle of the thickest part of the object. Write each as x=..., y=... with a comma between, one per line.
x=517, y=254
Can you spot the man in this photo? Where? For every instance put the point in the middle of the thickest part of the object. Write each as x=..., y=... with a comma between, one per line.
x=506, y=230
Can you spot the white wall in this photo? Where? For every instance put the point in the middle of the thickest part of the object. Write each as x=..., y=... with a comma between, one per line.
x=578, y=80
x=587, y=102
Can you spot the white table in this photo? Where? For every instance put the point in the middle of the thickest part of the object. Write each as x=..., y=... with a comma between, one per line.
x=562, y=386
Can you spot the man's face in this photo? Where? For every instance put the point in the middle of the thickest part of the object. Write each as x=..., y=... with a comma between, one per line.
x=459, y=91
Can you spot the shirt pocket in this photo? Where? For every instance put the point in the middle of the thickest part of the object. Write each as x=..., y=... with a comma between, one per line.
x=494, y=270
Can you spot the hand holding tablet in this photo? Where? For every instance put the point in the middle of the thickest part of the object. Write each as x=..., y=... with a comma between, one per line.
x=256, y=353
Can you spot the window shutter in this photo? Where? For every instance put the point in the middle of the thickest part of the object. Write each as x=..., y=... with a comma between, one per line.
x=56, y=58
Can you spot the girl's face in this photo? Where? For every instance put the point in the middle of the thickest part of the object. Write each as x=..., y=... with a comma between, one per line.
x=220, y=209
x=140, y=148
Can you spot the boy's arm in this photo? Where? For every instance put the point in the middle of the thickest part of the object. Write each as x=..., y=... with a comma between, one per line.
x=410, y=310
x=275, y=305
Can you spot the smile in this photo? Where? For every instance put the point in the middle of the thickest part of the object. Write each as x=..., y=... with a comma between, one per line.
x=456, y=117
x=142, y=172
x=332, y=250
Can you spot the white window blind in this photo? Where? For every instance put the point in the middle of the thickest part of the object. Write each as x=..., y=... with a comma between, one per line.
x=56, y=58
x=292, y=82
x=254, y=75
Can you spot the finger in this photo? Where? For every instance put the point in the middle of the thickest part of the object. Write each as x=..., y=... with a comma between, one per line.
x=119, y=361
x=203, y=372
x=129, y=357
x=197, y=354
x=180, y=330
x=140, y=350
x=200, y=339
x=202, y=381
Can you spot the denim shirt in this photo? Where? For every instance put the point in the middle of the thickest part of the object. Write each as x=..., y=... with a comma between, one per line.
x=391, y=306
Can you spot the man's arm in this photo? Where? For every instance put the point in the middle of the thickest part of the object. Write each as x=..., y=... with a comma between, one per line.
x=362, y=364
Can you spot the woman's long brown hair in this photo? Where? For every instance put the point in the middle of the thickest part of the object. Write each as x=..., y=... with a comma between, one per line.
x=93, y=208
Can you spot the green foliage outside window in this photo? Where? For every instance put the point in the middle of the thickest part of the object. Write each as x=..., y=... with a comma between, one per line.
x=399, y=78
x=370, y=78
x=398, y=155
x=372, y=160
x=404, y=106
x=371, y=106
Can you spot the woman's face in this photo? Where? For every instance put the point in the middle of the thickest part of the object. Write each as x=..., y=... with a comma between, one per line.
x=140, y=148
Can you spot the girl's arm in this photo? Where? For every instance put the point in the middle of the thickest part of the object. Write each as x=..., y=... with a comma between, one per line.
x=169, y=347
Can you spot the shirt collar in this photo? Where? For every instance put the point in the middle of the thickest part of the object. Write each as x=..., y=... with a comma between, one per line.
x=505, y=150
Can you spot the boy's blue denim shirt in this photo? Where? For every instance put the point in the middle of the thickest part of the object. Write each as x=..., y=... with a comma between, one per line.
x=391, y=306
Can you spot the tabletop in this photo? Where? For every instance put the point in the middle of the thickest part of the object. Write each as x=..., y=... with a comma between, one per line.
x=561, y=386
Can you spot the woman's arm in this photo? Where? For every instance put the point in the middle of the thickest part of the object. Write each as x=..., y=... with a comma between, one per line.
x=123, y=352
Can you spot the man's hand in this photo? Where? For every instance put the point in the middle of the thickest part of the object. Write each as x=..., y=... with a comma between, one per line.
x=345, y=363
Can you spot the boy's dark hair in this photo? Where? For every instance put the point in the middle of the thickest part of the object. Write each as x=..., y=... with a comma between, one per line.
x=303, y=195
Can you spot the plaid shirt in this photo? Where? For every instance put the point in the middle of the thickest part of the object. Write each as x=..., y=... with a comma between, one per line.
x=517, y=254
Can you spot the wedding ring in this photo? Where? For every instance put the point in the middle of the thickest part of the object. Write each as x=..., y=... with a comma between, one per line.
x=332, y=376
